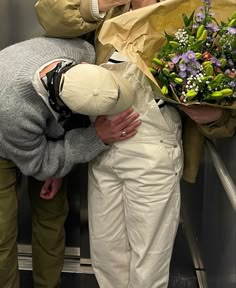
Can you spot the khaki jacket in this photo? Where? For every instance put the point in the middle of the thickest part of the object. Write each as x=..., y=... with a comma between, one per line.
x=73, y=18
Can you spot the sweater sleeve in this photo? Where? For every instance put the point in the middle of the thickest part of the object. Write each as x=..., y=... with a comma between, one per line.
x=66, y=18
x=24, y=141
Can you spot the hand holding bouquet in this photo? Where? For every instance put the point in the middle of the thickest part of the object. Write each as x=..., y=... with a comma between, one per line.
x=198, y=63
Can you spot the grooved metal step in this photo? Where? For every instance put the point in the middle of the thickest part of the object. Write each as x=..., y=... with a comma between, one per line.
x=72, y=262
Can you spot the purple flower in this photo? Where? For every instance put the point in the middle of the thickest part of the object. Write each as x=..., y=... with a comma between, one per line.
x=200, y=17
x=197, y=65
x=192, y=70
x=189, y=56
x=231, y=30
x=231, y=62
x=215, y=61
x=182, y=67
x=232, y=84
x=212, y=27
x=182, y=74
x=195, y=25
x=175, y=59
x=207, y=2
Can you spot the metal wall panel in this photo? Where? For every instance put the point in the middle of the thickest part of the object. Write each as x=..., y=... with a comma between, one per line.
x=219, y=221
x=18, y=21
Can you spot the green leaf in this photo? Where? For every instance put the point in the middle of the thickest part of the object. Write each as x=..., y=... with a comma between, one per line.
x=188, y=20
x=168, y=36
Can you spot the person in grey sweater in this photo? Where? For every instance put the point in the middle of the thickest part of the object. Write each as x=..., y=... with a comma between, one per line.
x=34, y=139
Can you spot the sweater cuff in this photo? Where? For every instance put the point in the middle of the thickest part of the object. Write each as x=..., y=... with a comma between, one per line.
x=95, y=10
x=95, y=142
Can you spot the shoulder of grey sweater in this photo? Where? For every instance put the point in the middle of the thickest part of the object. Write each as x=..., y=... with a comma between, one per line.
x=19, y=109
x=38, y=44
x=38, y=51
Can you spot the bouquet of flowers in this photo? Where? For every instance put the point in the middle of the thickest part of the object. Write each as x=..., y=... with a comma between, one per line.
x=189, y=59
x=198, y=63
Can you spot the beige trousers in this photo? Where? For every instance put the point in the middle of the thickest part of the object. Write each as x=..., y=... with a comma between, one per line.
x=134, y=204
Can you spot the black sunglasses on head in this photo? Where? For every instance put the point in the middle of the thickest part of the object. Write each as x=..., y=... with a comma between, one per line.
x=54, y=88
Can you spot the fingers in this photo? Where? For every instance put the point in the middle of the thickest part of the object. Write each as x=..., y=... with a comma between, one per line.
x=126, y=136
x=50, y=188
x=124, y=115
x=126, y=120
x=121, y=127
x=129, y=125
x=45, y=192
x=49, y=195
x=46, y=187
x=45, y=196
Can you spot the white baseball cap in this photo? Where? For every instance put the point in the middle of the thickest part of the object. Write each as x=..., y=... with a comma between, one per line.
x=94, y=90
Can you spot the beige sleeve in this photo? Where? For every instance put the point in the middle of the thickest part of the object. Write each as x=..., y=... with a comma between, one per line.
x=66, y=18
x=193, y=143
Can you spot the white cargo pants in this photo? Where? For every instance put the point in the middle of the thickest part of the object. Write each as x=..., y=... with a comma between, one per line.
x=134, y=204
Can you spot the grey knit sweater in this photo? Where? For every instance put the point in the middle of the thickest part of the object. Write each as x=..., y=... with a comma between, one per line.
x=30, y=136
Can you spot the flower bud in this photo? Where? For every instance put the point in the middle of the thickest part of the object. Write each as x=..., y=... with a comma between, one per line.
x=178, y=80
x=191, y=94
x=203, y=36
x=174, y=44
x=199, y=31
x=219, y=78
x=217, y=94
x=223, y=62
x=173, y=75
x=166, y=71
x=227, y=92
x=209, y=70
x=171, y=55
x=164, y=90
x=204, y=64
x=198, y=55
x=158, y=62
x=152, y=70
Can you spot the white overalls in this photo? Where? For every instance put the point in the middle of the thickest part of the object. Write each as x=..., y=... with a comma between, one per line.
x=134, y=196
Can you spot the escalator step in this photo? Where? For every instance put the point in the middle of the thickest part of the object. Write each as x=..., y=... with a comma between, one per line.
x=73, y=280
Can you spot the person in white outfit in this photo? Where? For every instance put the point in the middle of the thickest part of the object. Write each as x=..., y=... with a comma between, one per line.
x=134, y=186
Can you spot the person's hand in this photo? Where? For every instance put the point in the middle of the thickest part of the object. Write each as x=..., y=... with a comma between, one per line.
x=119, y=128
x=105, y=5
x=141, y=3
x=50, y=188
x=202, y=114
